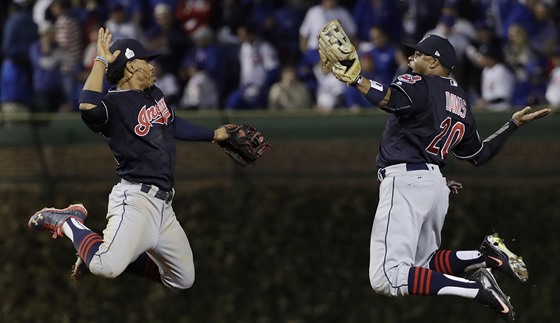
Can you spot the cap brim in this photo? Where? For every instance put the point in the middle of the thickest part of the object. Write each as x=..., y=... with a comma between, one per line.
x=412, y=48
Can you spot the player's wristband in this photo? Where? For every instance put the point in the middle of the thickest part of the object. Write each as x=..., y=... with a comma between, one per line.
x=376, y=93
x=91, y=97
x=358, y=81
x=514, y=123
x=102, y=60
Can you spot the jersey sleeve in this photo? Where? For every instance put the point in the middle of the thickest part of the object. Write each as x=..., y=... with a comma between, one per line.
x=471, y=145
x=415, y=88
x=96, y=118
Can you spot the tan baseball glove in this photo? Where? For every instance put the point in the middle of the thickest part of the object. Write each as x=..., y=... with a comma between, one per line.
x=338, y=54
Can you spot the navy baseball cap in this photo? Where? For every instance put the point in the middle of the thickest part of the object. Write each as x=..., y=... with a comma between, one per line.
x=438, y=47
x=132, y=49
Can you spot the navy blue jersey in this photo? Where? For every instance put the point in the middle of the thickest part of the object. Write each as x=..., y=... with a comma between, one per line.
x=438, y=121
x=139, y=131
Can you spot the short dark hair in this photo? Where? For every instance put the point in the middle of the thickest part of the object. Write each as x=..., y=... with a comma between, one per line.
x=115, y=71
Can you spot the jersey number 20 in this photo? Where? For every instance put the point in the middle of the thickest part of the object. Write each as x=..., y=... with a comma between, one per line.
x=451, y=135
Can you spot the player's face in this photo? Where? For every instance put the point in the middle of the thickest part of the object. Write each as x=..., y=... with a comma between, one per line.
x=145, y=73
x=420, y=62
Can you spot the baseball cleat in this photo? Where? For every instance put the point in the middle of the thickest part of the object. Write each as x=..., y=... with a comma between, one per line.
x=491, y=295
x=500, y=258
x=51, y=219
x=79, y=269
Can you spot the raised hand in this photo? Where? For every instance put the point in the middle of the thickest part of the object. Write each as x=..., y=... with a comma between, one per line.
x=103, y=42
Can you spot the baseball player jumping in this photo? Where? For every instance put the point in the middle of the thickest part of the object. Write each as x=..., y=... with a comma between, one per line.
x=430, y=117
x=142, y=235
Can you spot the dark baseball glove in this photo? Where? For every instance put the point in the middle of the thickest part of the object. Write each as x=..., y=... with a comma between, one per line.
x=245, y=143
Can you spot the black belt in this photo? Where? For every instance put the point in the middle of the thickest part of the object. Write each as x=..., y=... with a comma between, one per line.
x=416, y=166
x=409, y=168
x=167, y=196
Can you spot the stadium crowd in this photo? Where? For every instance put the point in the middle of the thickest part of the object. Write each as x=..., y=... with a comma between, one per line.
x=262, y=54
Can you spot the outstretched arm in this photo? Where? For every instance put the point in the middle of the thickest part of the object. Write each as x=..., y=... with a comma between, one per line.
x=184, y=130
x=494, y=143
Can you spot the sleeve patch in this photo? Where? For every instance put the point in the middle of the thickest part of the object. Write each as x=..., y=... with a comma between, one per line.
x=409, y=78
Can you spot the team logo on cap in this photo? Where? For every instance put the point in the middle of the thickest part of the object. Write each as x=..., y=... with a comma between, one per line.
x=437, y=53
x=129, y=53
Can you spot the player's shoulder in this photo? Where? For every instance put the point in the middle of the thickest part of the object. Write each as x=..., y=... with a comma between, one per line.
x=409, y=78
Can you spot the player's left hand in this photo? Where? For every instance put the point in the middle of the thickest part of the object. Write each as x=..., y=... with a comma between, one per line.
x=525, y=115
x=454, y=186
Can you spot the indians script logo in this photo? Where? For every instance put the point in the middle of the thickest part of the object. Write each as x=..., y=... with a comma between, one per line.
x=158, y=113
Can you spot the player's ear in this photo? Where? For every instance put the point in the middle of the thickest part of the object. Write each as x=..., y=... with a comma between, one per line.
x=129, y=67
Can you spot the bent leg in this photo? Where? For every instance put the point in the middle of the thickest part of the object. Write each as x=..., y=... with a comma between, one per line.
x=173, y=253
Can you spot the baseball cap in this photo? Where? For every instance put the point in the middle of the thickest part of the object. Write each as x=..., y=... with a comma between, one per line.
x=132, y=49
x=438, y=47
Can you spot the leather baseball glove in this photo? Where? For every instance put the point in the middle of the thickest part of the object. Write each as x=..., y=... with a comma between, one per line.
x=338, y=54
x=245, y=143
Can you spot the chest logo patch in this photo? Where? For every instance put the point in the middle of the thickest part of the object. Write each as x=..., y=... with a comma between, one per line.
x=409, y=78
x=147, y=117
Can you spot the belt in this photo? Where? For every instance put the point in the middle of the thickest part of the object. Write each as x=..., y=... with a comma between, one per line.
x=381, y=174
x=167, y=196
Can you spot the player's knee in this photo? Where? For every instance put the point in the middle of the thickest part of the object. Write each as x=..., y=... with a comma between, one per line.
x=183, y=281
x=105, y=271
x=381, y=286
x=186, y=283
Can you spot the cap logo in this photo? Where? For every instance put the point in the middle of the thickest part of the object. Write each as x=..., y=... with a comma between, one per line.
x=437, y=53
x=129, y=53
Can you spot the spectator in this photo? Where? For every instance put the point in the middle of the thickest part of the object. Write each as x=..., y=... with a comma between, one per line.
x=330, y=91
x=206, y=54
x=230, y=14
x=47, y=79
x=553, y=87
x=314, y=20
x=192, y=14
x=547, y=34
x=289, y=93
x=69, y=39
x=383, y=55
x=201, y=92
x=494, y=12
x=419, y=18
x=259, y=70
x=497, y=80
x=168, y=38
x=472, y=69
x=19, y=33
x=382, y=13
x=168, y=83
x=285, y=31
x=121, y=27
x=526, y=65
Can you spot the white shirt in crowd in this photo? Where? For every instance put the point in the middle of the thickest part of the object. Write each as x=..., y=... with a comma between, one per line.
x=257, y=59
x=553, y=89
x=317, y=17
x=497, y=82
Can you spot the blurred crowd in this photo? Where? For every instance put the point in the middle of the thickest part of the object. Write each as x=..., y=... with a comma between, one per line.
x=262, y=54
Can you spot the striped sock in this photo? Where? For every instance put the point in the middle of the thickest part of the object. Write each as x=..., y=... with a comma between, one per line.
x=423, y=281
x=144, y=267
x=85, y=241
x=456, y=262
